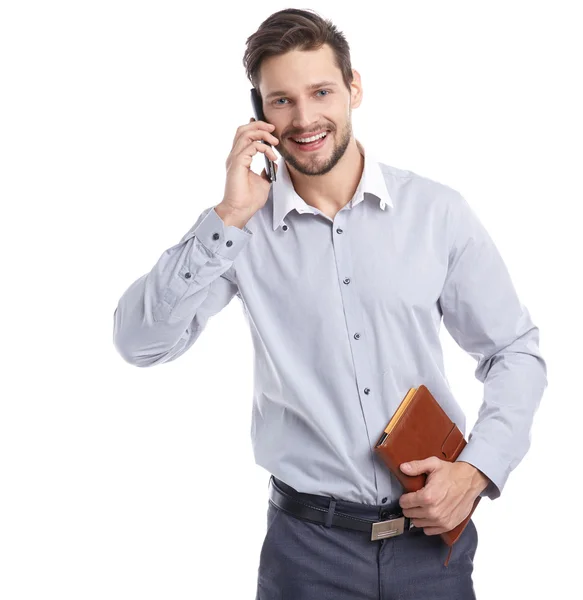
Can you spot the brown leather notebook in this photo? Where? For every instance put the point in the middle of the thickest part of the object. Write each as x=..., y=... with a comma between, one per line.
x=420, y=428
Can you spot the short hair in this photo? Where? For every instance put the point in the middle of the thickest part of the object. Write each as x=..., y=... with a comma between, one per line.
x=292, y=29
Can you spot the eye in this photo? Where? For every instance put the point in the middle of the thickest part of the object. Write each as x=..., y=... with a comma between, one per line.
x=327, y=93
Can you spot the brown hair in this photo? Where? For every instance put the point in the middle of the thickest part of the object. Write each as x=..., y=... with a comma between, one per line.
x=292, y=29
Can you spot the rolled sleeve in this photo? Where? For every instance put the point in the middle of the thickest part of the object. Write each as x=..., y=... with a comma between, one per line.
x=482, y=312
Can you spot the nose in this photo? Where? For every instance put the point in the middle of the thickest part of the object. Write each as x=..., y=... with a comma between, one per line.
x=305, y=118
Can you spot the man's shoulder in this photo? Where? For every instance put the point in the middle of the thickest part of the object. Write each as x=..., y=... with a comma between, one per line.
x=414, y=187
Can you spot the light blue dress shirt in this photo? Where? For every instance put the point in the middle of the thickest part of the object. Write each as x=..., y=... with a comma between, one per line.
x=344, y=315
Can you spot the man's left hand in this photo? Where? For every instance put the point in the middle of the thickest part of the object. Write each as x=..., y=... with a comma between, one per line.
x=447, y=497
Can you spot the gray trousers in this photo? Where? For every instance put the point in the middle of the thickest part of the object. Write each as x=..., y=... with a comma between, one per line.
x=304, y=560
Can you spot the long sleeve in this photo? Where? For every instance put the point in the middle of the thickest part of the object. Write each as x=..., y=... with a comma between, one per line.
x=163, y=313
x=485, y=317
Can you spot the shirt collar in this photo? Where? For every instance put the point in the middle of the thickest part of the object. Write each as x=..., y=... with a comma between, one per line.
x=285, y=197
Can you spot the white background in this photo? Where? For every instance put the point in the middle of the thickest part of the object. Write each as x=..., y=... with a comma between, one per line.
x=116, y=120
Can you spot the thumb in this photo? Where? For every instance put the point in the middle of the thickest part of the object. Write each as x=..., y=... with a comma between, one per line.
x=415, y=467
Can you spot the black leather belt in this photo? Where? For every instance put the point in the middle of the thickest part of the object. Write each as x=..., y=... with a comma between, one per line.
x=391, y=525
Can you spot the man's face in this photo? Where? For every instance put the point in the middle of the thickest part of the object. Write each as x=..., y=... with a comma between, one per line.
x=299, y=111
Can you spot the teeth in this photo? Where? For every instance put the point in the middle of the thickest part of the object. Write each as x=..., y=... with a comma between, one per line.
x=310, y=139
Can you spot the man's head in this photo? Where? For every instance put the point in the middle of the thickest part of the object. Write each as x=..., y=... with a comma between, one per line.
x=292, y=50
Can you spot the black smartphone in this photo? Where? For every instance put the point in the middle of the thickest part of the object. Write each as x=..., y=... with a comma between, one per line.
x=259, y=116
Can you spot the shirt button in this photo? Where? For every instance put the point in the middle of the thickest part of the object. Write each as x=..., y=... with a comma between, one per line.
x=347, y=280
x=384, y=500
x=187, y=275
x=367, y=391
x=339, y=230
x=229, y=243
x=357, y=336
x=215, y=236
x=284, y=227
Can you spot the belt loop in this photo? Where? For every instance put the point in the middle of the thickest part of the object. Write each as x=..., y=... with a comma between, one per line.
x=330, y=512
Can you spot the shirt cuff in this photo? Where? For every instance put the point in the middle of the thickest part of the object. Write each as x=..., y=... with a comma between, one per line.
x=480, y=455
x=224, y=240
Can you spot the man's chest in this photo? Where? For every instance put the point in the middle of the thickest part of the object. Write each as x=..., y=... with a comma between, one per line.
x=321, y=270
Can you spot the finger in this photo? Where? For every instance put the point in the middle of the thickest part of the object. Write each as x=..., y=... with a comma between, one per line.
x=411, y=500
x=433, y=530
x=423, y=522
x=256, y=146
x=415, y=513
x=245, y=158
x=253, y=125
x=261, y=122
x=258, y=133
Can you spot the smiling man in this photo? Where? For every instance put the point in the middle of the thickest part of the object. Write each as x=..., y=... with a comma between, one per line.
x=345, y=268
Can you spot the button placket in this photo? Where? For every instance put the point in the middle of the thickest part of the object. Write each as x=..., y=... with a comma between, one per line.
x=352, y=313
x=371, y=408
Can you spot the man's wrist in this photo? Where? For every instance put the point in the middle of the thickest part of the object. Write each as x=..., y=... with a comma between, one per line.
x=479, y=481
x=229, y=217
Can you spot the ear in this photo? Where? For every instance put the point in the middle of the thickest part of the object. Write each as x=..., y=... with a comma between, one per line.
x=356, y=91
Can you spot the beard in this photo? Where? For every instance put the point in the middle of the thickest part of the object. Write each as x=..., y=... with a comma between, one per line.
x=322, y=161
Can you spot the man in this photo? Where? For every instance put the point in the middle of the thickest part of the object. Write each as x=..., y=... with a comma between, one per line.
x=345, y=267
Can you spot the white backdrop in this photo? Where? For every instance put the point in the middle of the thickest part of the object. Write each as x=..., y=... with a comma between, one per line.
x=116, y=120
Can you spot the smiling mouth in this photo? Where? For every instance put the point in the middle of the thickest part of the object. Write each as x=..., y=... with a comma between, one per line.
x=291, y=137
x=312, y=146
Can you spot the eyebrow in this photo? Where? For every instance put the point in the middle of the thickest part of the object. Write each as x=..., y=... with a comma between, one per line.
x=309, y=87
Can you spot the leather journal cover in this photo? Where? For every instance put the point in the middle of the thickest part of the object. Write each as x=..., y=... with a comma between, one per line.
x=420, y=428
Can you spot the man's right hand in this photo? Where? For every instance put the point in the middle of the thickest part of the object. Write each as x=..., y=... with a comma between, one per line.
x=245, y=191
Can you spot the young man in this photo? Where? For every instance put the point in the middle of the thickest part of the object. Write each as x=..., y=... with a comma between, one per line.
x=345, y=268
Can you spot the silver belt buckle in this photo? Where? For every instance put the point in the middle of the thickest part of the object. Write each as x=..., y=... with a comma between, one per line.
x=389, y=528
